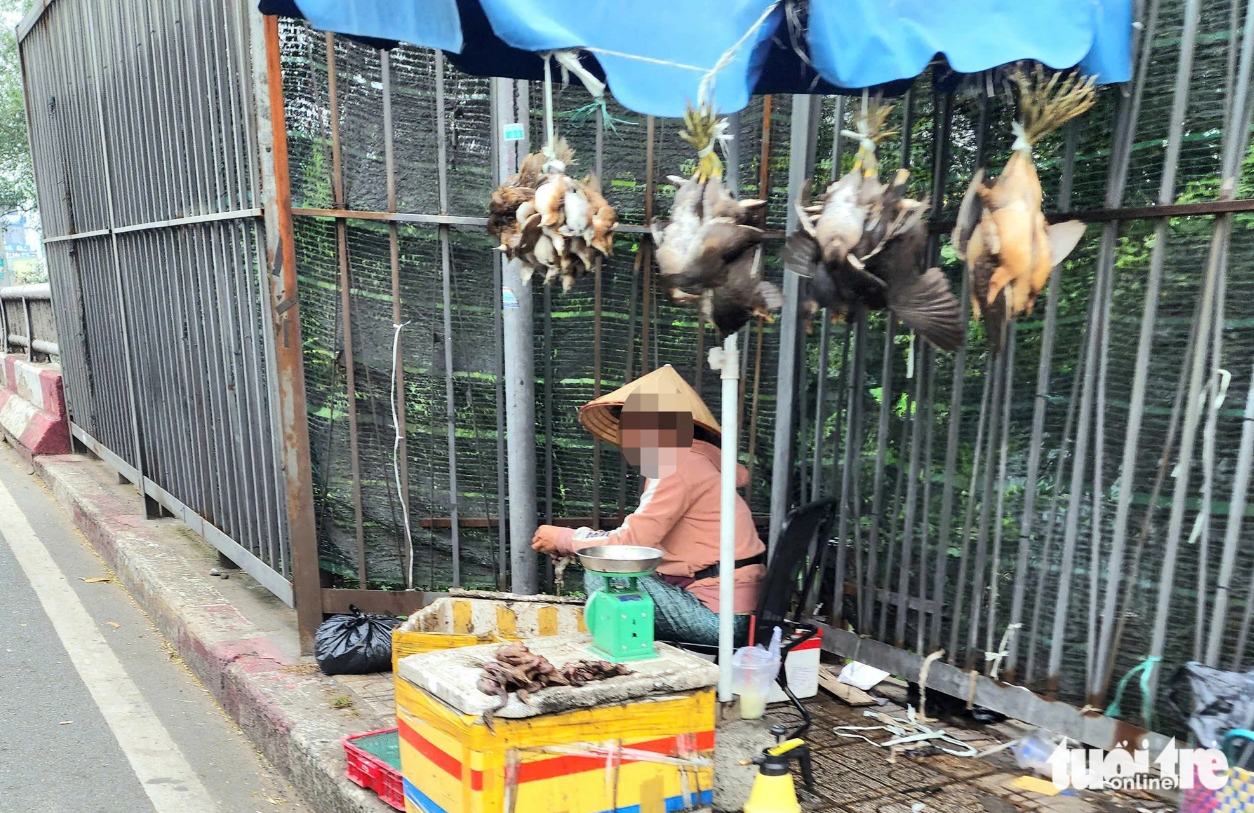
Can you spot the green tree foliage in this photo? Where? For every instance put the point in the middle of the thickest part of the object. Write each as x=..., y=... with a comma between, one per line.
x=17, y=183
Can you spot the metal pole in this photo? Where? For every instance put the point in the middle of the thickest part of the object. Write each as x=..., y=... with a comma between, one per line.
x=285, y=326
x=446, y=268
x=976, y=457
x=729, y=369
x=1038, y=412
x=500, y=94
x=1232, y=535
x=849, y=474
x=1052, y=514
x=350, y=366
x=994, y=581
x=999, y=374
x=151, y=509
x=646, y=247
x=398, y=360
x=929, y=413
x=881, y=453
x=1234, y=149
x=805, y=112
x=1241, y=478
x=955, y=408
x=1078, y=467
x=912, y=487
x=598, y=168
x=1153, y=285
x=820, y=407
x=520, y=398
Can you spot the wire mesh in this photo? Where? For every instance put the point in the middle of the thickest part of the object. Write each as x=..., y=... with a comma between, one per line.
x=195, y=155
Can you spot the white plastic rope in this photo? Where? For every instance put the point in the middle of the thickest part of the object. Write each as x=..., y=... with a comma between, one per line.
x=396, y=463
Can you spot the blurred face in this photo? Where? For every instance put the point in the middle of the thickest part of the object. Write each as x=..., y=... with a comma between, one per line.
x=653, y=428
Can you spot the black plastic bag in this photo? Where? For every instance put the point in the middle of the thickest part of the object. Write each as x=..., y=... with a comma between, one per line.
x=356, y=644
x=1222, y=701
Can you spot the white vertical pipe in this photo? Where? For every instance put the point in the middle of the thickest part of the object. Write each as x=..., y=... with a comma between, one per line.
x=728, y=363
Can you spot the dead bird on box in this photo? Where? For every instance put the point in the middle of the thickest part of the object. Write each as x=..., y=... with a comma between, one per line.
x=862, y=246
x=515, y=668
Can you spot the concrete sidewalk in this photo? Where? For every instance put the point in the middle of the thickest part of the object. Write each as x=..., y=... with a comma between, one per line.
x=237, y=638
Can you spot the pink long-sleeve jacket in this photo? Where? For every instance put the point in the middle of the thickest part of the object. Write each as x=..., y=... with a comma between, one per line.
x=679, y=515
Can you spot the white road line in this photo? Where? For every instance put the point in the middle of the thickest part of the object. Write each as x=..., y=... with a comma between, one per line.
x=169, y=781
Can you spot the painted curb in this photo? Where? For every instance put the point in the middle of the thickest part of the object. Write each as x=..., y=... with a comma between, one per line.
x=277, y=707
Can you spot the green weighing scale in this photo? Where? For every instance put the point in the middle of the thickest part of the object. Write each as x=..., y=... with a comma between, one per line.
x=620, y=616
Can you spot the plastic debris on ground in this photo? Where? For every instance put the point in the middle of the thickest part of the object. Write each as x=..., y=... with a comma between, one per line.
x=908, y=731
x=861, y=676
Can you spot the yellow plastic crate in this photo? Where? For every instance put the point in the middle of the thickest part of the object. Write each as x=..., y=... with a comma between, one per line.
x=484, y=618
x=452, y=763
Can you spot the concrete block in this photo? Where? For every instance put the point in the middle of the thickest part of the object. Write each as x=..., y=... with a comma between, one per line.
x=32, y=406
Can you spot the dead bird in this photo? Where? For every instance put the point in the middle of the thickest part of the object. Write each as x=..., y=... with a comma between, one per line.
x=863, y=247
x=514, y=668
x=706, y=251
x=1001, y=232
x=549, y=221
x=742, y=295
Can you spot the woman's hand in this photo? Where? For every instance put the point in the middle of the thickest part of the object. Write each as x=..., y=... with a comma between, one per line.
x=545, y=539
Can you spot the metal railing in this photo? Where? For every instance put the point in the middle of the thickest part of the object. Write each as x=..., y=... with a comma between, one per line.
x=27, y=324
x=144, y=121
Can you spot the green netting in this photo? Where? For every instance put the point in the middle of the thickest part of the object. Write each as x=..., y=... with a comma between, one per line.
x=564, y=347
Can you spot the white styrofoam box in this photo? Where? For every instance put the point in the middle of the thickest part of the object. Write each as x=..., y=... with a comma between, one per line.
x=802, y=667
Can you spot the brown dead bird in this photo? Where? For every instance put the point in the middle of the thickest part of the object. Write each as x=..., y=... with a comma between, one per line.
x=863, y=247
x=549, y=221
x=514, y=668
x=741, y=295
x=706, y=251
x=1000, y=232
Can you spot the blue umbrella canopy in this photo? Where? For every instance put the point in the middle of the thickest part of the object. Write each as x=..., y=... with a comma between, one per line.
x=655, y=53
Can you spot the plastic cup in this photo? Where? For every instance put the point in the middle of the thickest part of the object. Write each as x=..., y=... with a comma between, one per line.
x=754, y=669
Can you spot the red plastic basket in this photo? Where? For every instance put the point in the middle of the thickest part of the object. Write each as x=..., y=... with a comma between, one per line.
x=373, y=772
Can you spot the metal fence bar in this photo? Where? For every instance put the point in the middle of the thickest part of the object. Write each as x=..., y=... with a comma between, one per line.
x=446, y=267
x=126, y=328
x=346, y=306
x=1234, y=150
x=498, y=340
x=806, y=111
x=955, y=411
x=285, y=334
x=1040, y=405
x=881, y=455
x=912, y=487
x=994, y=581
x=599, y=168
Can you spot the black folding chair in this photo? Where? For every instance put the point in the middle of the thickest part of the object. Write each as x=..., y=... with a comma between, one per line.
x=792, y=576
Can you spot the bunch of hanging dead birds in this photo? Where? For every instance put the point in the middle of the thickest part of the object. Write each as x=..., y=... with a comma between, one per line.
x=552, y=223
x=515, y=668
x=862, y=246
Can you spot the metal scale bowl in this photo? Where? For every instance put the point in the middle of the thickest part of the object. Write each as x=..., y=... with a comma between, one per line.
x=620, y=616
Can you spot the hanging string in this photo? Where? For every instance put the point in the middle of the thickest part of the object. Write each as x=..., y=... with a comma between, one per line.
x=548, y=105
x=396, y=463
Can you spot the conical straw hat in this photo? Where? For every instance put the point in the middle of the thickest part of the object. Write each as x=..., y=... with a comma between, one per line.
x=600, y=417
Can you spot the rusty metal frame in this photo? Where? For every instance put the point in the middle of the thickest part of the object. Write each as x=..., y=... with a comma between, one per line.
x=285, y=315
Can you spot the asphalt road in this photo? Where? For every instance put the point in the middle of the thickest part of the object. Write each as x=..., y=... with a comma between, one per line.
x=140, y=734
